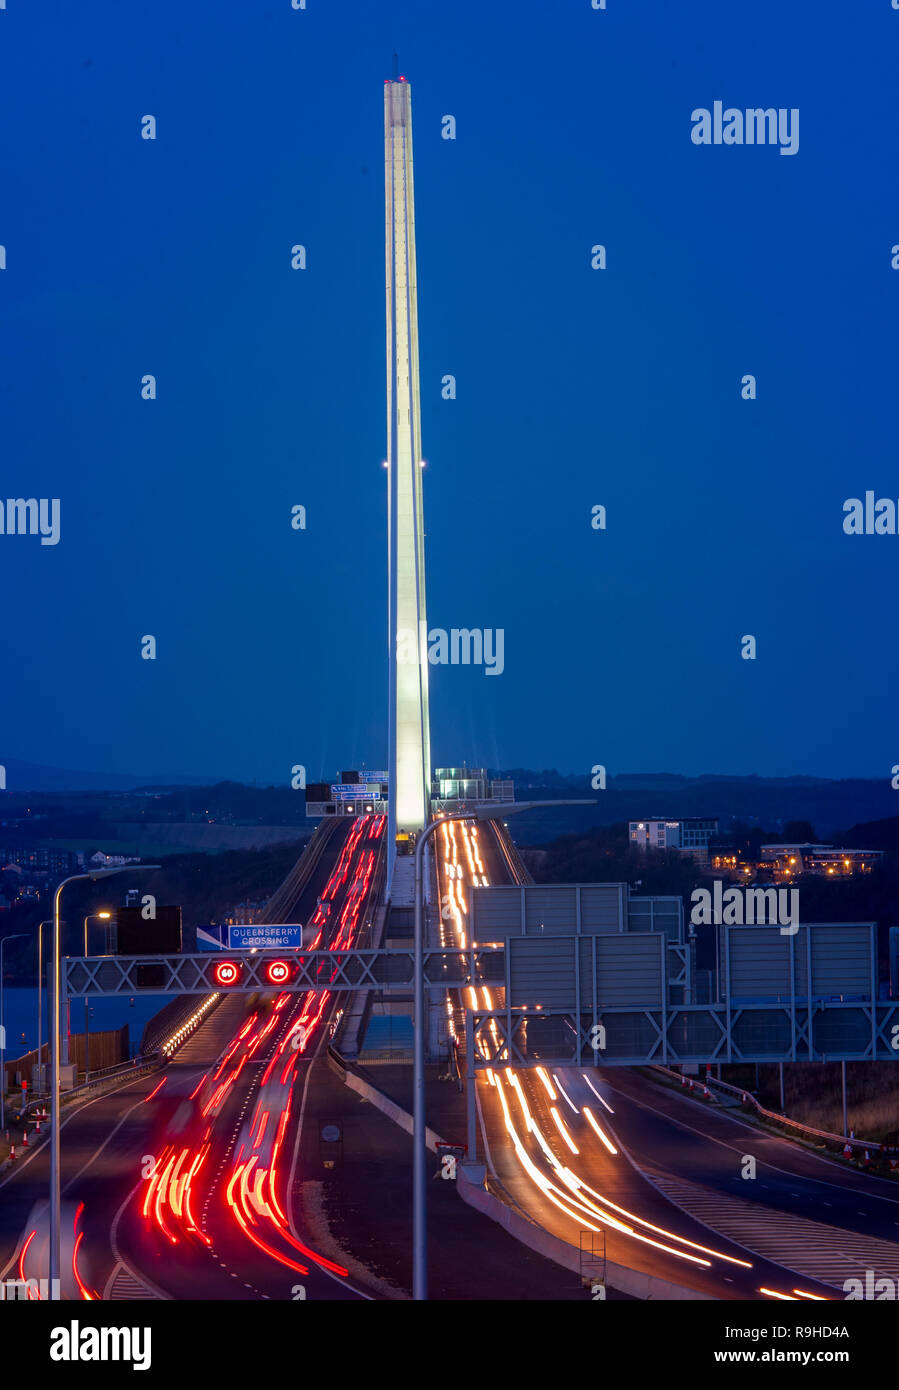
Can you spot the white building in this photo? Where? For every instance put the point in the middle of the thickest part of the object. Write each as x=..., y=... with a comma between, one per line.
x=688, y=836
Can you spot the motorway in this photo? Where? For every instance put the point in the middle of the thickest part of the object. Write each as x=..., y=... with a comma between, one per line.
x=185, y=1183
x=191, y=1188
x=812, y=1210
x=578, y=1152
x=552, y=1147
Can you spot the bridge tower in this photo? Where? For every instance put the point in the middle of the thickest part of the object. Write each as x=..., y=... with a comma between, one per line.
x=409, y=734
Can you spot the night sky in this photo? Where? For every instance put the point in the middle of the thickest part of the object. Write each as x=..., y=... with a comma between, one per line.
x=576, y=387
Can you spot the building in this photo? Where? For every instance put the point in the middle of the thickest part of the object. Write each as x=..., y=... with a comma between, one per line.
x=826, y=860
x=788, y=861
x=782, y=862
x=688, y=836
x=245, y=914
x=43, y=857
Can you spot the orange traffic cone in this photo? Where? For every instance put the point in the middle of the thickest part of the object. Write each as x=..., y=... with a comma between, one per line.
x=25, y=1140
x=12, y=1150
x=847, y=1150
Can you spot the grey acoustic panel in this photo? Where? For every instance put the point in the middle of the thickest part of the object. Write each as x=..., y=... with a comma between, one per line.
x=760, y=963
x=496, y=912
x=841, y=960
x=662, y=914
x=559, y=972
x=540, y=909
x=767, y=963
x=542, y=971
x=602, y=907
x=629, y=970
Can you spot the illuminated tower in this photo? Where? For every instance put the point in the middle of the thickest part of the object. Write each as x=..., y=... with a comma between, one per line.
x=410, y=750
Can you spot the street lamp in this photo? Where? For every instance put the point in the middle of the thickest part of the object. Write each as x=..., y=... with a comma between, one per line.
x=55, y=1194
x=18, y=934
x=104, y=917
x=485, y=811
x=40, y=1003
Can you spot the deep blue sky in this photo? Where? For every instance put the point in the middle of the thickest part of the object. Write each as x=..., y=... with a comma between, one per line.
x=575, y=387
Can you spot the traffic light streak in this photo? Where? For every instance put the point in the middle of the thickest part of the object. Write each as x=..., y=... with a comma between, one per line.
x=251, y=1193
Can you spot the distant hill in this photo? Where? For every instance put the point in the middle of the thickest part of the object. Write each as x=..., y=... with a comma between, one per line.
x=765, y=801
x=878, y=834
x=33, y=777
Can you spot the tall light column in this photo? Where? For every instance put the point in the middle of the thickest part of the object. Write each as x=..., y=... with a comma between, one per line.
x=410, y=750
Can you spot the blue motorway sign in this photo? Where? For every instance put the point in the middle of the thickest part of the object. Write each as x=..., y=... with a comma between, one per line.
x=265, y=935
x=212, y=937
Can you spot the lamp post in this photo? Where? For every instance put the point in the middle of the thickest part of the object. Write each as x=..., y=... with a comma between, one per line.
x=485, y=811
x=40, y=1003
x=15, y=936
x=55, y=1194
x=104, y=917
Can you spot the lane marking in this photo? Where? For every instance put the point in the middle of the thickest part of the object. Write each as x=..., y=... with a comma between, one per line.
x=712, y=1139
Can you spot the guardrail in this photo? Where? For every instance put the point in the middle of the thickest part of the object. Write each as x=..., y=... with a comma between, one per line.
x=280, y=904
x=455, y=1068
x=775, y=1117
x=122, y=1071
x=510, y=853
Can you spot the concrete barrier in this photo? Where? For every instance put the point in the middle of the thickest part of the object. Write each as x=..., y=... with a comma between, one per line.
x=388, y=1107
x=627, y=1281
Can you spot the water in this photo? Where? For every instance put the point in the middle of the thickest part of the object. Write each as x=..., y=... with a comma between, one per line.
x=20, y=1017
x=388, y=1033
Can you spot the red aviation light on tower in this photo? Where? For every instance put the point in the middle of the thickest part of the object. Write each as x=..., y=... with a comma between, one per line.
x=279, y=972
x=225, y=973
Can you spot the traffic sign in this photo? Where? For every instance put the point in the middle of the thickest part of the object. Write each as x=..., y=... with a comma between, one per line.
x=226, y=972
x=278, y=972
x=264, y=935
x=330, y=1143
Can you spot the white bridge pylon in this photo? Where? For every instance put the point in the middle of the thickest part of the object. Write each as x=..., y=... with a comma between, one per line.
x=409, y=731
